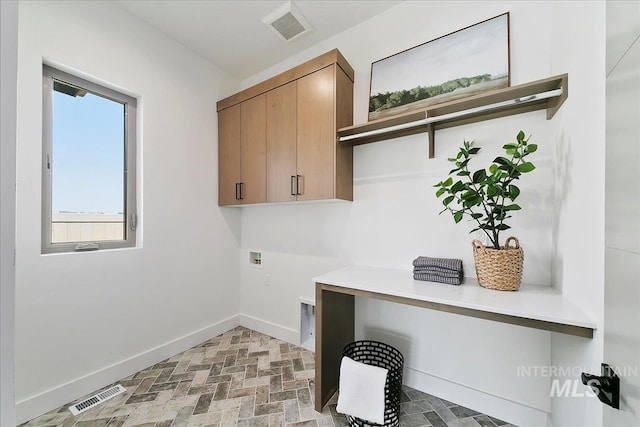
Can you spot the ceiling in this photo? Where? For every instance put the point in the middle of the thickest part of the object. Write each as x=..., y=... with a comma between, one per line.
x=231, y=34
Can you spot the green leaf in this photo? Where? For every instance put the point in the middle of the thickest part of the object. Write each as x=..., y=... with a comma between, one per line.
x=458, y=186
x=504, y=162
x=511, y=151
x=473, y=199
x=493, y=169
x=492, y=190
x=457, y=216
x=512, y=207
x=502, y=227
x=479, y=176
x=448, y=200
x=532, y=148
x=526, y=167
x=463, y=173
x=520, y=136
x=514, y=173
x=474, y=150
x=476, y=215
x=448, y=182
x=441, y=191
x=513, y=192
x=510, y=146
x=469, y=194
x=500, y=160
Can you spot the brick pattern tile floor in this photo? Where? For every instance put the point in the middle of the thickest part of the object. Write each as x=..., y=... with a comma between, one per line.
x=246, y=379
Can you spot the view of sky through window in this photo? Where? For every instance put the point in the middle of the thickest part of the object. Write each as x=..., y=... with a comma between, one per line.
x=88, y=154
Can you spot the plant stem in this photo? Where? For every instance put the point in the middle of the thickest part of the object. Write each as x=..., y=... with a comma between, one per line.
x=505, y=184
x=493, y=239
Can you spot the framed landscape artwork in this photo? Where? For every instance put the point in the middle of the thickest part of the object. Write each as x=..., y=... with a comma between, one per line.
x=463, y=63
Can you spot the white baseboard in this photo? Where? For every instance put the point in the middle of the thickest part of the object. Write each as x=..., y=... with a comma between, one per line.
x=48, y=400
x=272, y=329
x=498, y=407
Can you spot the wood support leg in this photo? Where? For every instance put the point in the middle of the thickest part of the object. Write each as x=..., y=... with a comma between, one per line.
x=334, y=329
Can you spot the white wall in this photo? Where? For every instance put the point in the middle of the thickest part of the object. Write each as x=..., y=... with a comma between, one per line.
x=394, y=217
x=86, y=319
x=578, y=229
x=622, y=217
x=8, y=85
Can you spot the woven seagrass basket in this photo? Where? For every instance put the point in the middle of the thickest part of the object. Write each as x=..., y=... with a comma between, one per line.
x=499, y=269
x=382, y=355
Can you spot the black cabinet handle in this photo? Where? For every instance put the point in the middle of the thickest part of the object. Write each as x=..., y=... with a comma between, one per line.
x=293, y=192
x=237, y=196
x=241, y=185
x=298, y=185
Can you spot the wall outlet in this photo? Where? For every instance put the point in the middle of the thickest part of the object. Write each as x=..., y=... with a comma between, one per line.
x=267, y=280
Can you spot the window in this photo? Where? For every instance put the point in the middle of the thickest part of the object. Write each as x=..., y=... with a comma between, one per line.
x=89, y=160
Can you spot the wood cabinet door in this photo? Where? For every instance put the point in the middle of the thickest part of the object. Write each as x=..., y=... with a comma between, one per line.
x=316, y=135
x=253, y=166
x=228, y=155
x=344, y=152
x=281, y=143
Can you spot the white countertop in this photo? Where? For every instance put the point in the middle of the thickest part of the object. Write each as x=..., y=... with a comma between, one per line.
x=530, y=301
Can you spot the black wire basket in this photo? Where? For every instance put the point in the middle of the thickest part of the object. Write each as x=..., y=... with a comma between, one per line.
x=382, y=355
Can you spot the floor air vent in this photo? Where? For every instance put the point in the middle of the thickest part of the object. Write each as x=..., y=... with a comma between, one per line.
x=95, y=400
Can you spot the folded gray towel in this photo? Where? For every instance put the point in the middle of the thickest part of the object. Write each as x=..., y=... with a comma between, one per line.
x=444, y=263
x=436, y=278
x=438, y=270
x=441, y=273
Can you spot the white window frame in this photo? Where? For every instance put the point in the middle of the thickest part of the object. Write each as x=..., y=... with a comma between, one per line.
x=49, y=74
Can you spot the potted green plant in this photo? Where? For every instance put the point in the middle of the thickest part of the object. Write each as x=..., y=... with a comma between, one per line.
x=487, y=197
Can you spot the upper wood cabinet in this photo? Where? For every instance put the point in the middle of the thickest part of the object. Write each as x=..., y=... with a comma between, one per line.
x=242, y=153
x=286, y=133
x=229, y=155
x=281, y=143
x=316, y=153
x=253, y=147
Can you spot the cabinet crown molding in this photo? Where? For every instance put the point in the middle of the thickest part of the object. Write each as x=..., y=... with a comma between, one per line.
x=332, y=57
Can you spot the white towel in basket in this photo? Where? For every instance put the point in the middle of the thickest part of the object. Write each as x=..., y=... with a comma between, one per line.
x=361, y=390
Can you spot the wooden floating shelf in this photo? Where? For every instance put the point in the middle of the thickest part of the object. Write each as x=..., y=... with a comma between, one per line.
x=549, y=94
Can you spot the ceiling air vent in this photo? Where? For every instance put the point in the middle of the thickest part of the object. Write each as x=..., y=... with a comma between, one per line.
x=89, y=403
x=288, y=22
